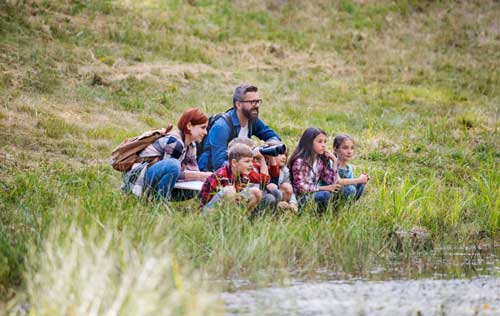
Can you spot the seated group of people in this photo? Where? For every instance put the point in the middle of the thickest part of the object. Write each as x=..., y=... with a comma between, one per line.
x=235, y=170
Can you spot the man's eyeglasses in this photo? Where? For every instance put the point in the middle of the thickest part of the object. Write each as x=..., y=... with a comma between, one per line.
x=253, y=102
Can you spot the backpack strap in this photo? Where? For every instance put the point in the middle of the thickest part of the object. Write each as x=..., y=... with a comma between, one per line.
x=229, y=122
x=232, y=134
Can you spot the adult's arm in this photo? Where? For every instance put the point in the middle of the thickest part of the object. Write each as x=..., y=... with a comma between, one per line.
x=195, y=175
x=218, y=138
x=264, y=132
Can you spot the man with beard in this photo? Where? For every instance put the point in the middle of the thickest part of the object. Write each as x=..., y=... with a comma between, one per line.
x=245, y=120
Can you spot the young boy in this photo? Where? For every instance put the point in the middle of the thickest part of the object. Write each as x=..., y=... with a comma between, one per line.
x=282, y=185
x=230, y=183
x=261, y=173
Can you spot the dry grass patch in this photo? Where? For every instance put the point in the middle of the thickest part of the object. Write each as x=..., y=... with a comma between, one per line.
x=121, y=70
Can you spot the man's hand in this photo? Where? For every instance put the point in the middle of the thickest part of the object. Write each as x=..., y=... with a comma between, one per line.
x=272, y=142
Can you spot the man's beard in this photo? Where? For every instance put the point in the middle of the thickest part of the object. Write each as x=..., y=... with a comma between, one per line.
x=249, y=114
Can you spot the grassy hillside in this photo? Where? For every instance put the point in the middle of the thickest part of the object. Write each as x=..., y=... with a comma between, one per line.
x=417, y=83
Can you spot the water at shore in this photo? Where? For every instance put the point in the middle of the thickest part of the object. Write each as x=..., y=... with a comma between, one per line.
x=461, y=283
x=478, y=296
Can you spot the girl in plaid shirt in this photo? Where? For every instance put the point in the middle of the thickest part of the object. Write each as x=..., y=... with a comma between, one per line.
x=312, y=176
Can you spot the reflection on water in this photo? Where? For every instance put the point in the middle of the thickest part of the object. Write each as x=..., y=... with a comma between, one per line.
x=444, y=282
x=479, y=296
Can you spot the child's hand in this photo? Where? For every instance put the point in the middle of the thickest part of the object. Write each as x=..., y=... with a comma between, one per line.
x=272, y=161
x=239, y=198
x=333, y=187
x=257, y=155
x=331, y=156
x=285, y=206
x=363, y=178
x=293, y=208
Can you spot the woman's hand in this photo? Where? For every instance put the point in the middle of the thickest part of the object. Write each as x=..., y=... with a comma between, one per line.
x=196, y=175
x=204, y=175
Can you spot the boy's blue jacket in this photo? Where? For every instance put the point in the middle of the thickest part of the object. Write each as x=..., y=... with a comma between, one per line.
x=215, y=147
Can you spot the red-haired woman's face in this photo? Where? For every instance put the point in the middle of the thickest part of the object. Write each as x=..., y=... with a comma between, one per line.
x=198, y=131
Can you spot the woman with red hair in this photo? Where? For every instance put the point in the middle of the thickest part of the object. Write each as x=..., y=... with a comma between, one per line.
x=176, y=160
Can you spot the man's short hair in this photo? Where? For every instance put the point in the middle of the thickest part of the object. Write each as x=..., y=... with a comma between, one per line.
x=239, y=151
x=241, y=140
x=241, y=90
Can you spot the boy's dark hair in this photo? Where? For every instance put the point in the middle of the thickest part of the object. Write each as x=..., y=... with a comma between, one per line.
x=238, y=151
x=340, y=139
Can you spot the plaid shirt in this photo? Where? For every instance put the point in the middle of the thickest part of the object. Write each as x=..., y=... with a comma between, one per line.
x=305, y=179
x=218, y=180
x=172, y=146
x=255, y=176
x=169, y=146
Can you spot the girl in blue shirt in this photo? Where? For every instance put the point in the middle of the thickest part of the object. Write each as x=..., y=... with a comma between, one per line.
x=352, y=188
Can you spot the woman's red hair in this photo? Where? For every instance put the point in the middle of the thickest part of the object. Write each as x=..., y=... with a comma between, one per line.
x=194, y=116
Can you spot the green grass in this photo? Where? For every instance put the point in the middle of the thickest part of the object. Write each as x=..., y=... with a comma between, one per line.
x=416, y=83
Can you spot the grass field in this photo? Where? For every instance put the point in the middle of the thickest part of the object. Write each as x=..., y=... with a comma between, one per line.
x=417, y=83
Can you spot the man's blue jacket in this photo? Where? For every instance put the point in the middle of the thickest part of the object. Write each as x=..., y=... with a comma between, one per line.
x=214, y=153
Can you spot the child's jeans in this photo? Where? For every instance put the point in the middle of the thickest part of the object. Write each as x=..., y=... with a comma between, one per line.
x=269, y=201
x=353, y=191
x=218, y=199
x=321, y=199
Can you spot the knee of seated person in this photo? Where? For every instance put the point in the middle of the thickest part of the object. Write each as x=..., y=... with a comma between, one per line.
x=171, y=162
x=256, y=193
x=271, y=187
x=286, y=187
x=269, y=199
x=172, y=165
x=349, y=190
x=229, y=191
x=322, y=196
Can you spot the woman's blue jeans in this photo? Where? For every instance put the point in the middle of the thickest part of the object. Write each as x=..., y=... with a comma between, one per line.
x=161, y=178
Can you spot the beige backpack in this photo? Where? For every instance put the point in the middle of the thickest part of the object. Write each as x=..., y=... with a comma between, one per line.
x=125, y=155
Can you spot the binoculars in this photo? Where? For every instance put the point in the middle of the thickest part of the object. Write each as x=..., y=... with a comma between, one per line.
x=273, y=150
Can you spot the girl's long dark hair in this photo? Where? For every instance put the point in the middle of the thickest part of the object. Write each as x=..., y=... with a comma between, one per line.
x=305, y=148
